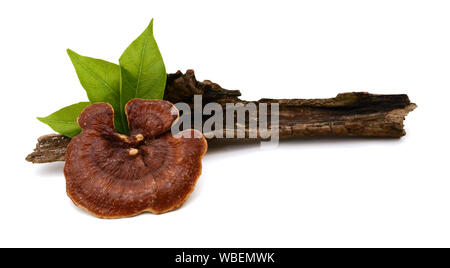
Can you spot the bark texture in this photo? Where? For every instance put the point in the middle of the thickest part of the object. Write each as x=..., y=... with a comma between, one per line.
x=356, y=114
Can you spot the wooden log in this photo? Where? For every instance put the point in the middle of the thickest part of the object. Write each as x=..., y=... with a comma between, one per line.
x=356, y=114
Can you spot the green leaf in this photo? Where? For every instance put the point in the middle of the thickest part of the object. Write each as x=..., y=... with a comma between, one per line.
x=101, y=80
x=142, y=70
x=64, y=121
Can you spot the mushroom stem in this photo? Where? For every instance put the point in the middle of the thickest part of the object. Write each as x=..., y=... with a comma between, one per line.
x=133, y=151
x=123, y=138
x=139, y=137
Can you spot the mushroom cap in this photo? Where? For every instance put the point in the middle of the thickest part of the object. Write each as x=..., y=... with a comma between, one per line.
x=112, y=175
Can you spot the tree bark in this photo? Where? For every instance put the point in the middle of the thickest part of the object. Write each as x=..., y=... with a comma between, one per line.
x=356, y=114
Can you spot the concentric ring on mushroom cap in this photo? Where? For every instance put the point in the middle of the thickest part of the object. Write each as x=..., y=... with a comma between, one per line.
x=112, y=175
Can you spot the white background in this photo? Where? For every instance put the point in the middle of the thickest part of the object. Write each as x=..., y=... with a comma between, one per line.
x=319, y=193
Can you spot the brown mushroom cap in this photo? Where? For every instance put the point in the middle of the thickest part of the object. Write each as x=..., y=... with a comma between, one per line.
x=112, y=175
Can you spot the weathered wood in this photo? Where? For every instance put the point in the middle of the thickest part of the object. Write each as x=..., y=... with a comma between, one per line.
x=50, y=148
x=356, y=114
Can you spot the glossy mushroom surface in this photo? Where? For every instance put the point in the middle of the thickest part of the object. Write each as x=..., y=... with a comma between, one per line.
x=112, y=175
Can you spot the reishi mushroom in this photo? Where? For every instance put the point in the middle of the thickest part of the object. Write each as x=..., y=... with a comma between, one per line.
x=113, y=175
